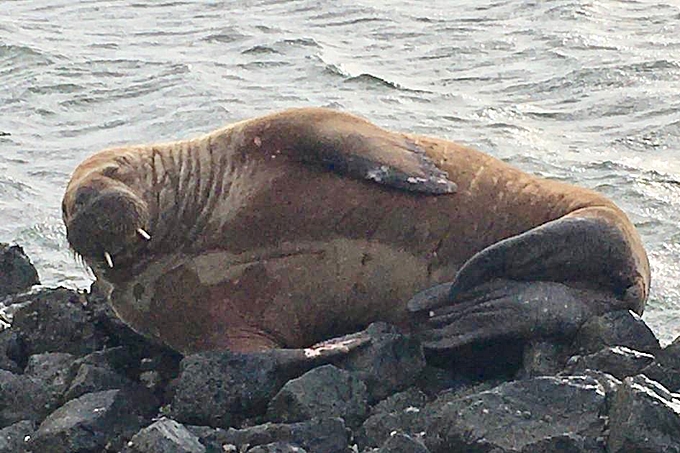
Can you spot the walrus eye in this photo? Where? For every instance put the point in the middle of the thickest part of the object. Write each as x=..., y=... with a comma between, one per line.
x=83, y=196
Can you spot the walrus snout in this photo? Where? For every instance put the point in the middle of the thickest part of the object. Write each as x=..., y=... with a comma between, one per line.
x=102, y=224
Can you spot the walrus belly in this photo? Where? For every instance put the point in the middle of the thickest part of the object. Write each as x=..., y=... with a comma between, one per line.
x=294, y=294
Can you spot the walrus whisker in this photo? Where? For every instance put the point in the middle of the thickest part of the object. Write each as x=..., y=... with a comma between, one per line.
x=109, y=260
x=144, y=234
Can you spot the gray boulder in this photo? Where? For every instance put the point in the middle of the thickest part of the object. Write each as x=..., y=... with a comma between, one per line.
x=323, y=392
x=24, y=398
x=390, y=363
x=17, y=274
x=14, y=438
x=315, y=436
x=617, y=328
x=517, y=415
x=164, y=436
x=619, y=361
x=644, y=417
x=93, y=422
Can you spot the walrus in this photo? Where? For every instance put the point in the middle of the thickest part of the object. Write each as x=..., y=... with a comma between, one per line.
x=294, y=227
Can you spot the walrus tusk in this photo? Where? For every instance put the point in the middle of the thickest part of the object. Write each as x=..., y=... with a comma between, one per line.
x=109, y=260
x=143, y=234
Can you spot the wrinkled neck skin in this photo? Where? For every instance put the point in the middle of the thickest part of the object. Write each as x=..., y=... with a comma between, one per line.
x=178, y=183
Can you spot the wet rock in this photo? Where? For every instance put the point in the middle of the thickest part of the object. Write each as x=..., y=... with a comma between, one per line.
x=24, y=398
x=164, y=436
x=516, y=415
x=94, y=421
x=278, y=447
x=402, y=443
x=618, y=328
x=221, y=388
x=326, y=391
x=14, y=438
x=390, y=363
x=52, y=368
x=55, y=320
x=619, y=361
x=17, y=274
x=315, y=436
x=91, y=378
x=645, y=417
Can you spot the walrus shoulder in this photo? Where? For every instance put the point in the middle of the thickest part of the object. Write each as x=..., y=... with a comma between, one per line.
x=348, y=145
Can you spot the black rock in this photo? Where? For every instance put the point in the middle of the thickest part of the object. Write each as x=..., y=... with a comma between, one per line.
x=323, y=392
x=403, y=443
x=433, y=380
x=409, y=398
x=315, y=436
x=53, y=368
x=644, y=417
x=619, y=361
x=666, y=367
x=542, y=359
x=278, y=447
x=221, y=388
x=378, y=428
x=93, y=422
x=8, y=350
x=617, y=328
x=670, y=355
x=55, y=320
x=14, y=438
x=91, y=378
x=566, y=443
x=400, y=413
x=17, y=274
x=24, y=398
x=516, y=415
x=389, y=364
x=663, y=374
x=164, y=436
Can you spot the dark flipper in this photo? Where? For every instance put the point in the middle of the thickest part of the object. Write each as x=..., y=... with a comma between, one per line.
x=541, y=283
x=583, y=251
x=507, y=310
x=352, y=146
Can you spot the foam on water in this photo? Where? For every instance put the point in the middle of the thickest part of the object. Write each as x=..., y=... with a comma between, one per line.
x=586, y=91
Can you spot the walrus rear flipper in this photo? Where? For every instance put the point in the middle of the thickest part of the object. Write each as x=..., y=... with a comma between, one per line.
x=584, y=248
x=501, y=313
x=544, y=282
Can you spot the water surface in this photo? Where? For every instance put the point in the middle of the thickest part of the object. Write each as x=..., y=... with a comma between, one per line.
x=582, y=91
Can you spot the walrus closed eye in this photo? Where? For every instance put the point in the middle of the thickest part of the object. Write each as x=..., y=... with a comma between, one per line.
x=295, y=227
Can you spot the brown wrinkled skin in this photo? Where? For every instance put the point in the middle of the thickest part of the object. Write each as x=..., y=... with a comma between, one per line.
x=255, y=244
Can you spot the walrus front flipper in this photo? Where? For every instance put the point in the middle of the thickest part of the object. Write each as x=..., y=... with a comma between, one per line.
x=352, y=146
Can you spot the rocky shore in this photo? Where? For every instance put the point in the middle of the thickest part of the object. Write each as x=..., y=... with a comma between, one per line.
x=73, y=379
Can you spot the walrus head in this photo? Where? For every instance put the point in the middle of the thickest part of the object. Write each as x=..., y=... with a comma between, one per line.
x=105, y=222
